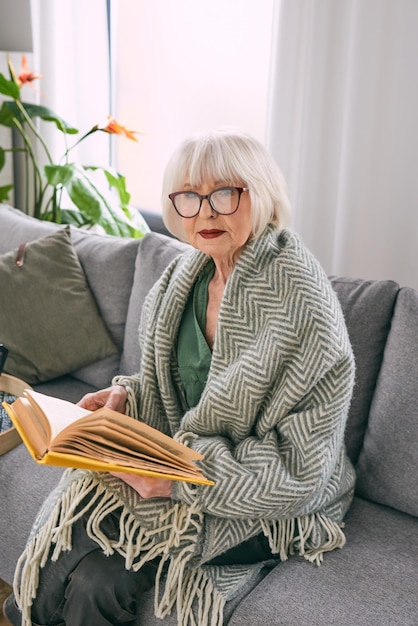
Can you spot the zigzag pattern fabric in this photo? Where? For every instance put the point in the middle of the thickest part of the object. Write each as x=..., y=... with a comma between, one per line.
x=271, y=419
x=270, y=424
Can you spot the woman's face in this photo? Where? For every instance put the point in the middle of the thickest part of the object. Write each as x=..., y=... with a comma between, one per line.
x=223, y=237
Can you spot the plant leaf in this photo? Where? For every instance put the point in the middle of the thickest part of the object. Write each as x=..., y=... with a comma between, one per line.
x=4, y=192
x=35, y=110
x=118, y=182
x=6, y=115
x=58, y=174
x=67, y=216
x=9, y=88
x=93, y=203
x=9, y=110
x=2, y=158
x=74, y=217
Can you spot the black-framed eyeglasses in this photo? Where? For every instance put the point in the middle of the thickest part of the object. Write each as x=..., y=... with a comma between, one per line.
x=224, y=201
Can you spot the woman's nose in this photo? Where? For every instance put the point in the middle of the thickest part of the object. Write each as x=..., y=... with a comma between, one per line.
x=206, y=209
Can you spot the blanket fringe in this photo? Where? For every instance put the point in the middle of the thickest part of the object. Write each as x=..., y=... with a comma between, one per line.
x=56, y=531
x=309, y=535
x=131, y=400
x=178, y=527
x=167, y=530
x=184, y=588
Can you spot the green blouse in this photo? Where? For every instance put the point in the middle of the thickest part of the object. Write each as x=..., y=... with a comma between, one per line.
x=193, y=353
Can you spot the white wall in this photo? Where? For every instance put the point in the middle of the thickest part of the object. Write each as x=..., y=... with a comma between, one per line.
x=186, y=66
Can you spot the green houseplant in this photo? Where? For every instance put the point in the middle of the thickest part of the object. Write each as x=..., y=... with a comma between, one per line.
x=65, y=192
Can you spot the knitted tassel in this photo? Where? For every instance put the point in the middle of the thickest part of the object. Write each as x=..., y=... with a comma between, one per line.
x=173, y=539
x=184, y=588
x=280, y=534
x=131, y=400
x=335, y=539
x=310, y=544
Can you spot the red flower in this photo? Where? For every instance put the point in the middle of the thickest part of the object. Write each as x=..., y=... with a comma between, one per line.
x=26, y=76
x=113, y=127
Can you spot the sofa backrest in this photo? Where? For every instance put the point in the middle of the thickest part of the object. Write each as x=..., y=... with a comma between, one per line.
x=382, y=322
x=154, y=255
x=368, y=308
x=387, y=469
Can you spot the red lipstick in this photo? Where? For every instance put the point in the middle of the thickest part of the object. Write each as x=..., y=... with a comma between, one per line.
x=211, y=234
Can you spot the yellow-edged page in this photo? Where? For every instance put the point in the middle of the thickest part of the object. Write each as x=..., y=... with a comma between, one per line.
x=80, y=462
x=132, y=454
x=111, y=436
x=31, y=438
x=133, y=429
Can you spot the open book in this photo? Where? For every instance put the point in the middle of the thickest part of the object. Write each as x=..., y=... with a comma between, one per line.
x=57, y=432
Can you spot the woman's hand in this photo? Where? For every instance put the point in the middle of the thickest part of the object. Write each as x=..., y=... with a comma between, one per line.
x=146, y=486
x=113, y=397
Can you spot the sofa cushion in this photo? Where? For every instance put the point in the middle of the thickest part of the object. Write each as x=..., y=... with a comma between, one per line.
x=155, y=253
x=388, y=464
x=108, y=263
x=49, y=320
x=367, y=306
x=370, y=582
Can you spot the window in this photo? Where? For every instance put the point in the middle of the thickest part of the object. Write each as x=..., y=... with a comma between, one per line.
x=180, y=67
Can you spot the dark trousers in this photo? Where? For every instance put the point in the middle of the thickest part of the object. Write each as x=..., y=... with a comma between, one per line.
x=86, y=587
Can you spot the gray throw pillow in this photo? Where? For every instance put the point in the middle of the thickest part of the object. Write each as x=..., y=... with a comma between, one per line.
x=49, y=319
x=108, y=263
x=388, y=464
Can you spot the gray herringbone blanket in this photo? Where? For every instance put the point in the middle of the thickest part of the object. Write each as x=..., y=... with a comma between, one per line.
x=270, y=424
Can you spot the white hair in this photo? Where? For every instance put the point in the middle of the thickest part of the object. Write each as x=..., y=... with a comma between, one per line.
x=237, y=159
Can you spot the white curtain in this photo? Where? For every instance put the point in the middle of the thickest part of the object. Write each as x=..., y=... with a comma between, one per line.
x=343, y=125
x=71, y=52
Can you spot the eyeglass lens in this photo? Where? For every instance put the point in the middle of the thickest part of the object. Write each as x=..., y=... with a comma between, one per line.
x=224, y=201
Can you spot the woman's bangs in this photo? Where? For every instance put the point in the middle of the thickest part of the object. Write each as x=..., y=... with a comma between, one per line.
x=207, y=165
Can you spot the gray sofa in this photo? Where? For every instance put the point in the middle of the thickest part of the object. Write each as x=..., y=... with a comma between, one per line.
x=374, y=579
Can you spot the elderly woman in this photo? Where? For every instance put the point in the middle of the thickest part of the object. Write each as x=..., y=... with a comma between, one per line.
x=246, y=359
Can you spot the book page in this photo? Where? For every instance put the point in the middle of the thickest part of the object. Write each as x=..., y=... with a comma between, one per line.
x=116, y=446
x=135, y=431
x=153, y=436
x=59, y=413
x=125, y=459
x=74, y=460
x=31, y=430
